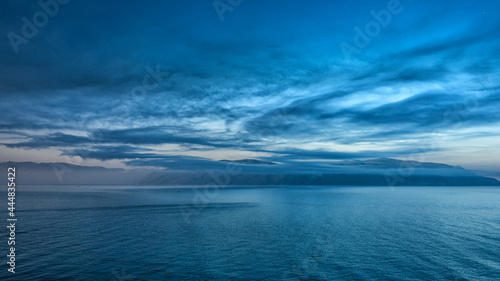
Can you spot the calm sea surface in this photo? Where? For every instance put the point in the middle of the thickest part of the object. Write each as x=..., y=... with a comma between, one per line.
x=256, y=233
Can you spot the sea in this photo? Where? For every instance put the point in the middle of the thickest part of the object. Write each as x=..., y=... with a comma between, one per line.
x=254, y=233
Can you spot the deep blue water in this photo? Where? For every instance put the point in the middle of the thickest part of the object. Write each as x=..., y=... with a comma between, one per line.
x=256, y=233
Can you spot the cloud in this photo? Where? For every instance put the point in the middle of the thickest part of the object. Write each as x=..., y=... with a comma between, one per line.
x=104, y=153
x=291, y=154
x=416, y=114
x=52, y=140
x=279, y=85
x=132, y=136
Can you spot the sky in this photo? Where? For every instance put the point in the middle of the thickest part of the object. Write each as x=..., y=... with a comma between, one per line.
x=180, y=84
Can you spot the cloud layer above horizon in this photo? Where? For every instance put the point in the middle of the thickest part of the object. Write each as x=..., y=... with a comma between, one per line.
x=143, y=83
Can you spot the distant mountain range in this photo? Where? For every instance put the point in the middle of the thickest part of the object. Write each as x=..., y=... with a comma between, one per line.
x=376, y=172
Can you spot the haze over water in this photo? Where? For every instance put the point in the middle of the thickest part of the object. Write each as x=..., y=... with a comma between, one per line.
x=259, y=233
